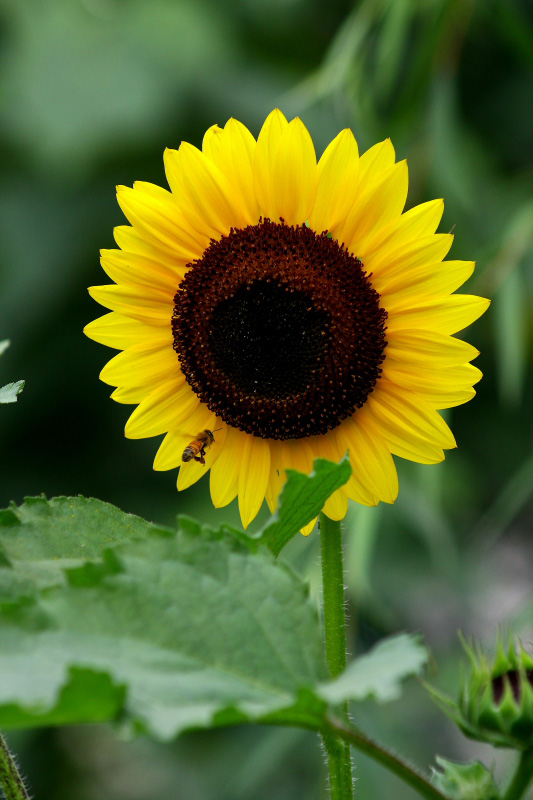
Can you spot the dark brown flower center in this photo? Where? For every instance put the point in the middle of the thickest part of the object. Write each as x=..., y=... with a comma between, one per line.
x=279, y=331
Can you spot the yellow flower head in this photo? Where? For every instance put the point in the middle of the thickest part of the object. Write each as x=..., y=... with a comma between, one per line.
x=271, y=310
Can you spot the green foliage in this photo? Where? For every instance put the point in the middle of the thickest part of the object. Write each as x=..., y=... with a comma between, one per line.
x=162, y=629
x=302, y=499
x=9, y=392
x=512, y=318
x=200, y=630
x=379, y=673
x=91, y=106
x=465, y=781
x=42, y=538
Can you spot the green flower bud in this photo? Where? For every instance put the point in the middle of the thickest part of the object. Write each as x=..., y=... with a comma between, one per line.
x=496, y=700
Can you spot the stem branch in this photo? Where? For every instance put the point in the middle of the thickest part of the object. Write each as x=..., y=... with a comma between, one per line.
x=339, y=757
x=407, y=773
x=10, y=779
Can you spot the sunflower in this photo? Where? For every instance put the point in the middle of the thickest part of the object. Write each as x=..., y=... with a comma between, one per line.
x=290, y=308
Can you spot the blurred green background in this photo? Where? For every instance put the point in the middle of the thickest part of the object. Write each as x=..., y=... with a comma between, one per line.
x=91, y=92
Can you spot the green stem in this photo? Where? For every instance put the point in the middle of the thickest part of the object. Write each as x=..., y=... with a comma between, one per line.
x=339, y=756
x=407, y=773
x=522, y=777
x=10, y=779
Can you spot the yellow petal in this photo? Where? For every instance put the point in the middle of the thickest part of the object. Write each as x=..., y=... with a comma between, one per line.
x=420, y=221
x=270, y=496
x=130, y=395
x=213, y=146
x=116, y=330
x=373, y=468
x=265, y=155
x=232, y=149
x=376, y=161
x=309, y=528
x=423, y=347
x=451, y=399
x=291, y=454
x=161, y=223
x=253, y=477
x=401, y=434
x=133, y=269
x=147, y=305
x=326, y=446
x=376, y=206
x=206, y=196
x=298, y=454
x=413, y=450
x=165, y=408
x=145, y=364
x=405, y=444
x=357, y=488
x=171, y=450
x=388, y=260
x=293, y=176
x=277, y=475
x=441, y=314
x=337, y=178
x=336, y=506
x=153, y=190
x=443, y=389
x=225, y=472
x=131, y=241
x=404, y=412
x=436, y=279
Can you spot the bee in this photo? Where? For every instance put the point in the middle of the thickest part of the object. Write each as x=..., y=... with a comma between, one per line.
x=196, y=449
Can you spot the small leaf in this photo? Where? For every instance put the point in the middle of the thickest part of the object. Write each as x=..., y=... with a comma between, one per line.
x=379, y=673
x=9, y=392
x=302, y=499
x=465, y=781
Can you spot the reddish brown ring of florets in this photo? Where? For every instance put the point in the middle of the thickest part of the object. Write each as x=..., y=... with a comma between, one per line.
x=279, y=331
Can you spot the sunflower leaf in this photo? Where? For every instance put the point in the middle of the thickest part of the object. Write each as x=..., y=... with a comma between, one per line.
x=9, y=392
x=164, y=630
x=302, y=499
x=379, y=673
x=41, y=538
x=168, y=631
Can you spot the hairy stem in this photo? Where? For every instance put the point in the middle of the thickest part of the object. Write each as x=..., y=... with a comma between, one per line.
x=10, y=779
x=338, y=751
x=404, y=771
